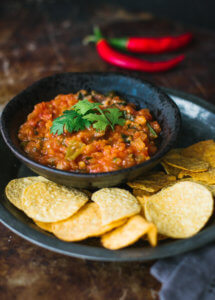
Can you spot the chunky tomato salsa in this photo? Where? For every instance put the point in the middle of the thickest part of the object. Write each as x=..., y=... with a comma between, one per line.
x=89, y=133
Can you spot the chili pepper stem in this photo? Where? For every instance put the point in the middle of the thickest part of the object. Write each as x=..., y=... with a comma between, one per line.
x=89, y=39
x=97, y=35
x=97, y=32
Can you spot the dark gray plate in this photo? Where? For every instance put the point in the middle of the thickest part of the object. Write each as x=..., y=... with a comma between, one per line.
x=198, y=119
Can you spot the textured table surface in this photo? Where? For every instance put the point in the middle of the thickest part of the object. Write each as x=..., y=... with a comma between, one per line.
x=40, y=38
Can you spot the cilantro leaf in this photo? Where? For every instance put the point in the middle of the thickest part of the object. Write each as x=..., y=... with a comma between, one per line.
x=115, y=116
x=100, y=122
x=57, y=127
x=71, y=121
x=84, y=106
x=76, y=124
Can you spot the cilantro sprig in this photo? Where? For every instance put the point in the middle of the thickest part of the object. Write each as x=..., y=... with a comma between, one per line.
x=84, y=114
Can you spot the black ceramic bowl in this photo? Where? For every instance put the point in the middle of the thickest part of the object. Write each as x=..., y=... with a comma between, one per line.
x=138, y=91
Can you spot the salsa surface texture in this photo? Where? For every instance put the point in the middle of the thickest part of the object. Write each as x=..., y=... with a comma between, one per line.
x=88, y=150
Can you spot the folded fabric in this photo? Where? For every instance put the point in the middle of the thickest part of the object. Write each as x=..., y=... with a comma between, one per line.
x=187, y=277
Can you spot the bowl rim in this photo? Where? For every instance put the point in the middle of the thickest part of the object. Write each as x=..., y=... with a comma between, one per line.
x=29, y=161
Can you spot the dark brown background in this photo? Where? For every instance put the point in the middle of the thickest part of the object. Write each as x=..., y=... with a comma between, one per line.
x=40, y=38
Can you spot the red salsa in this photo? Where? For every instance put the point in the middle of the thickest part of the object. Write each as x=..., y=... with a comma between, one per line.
x=89, y=150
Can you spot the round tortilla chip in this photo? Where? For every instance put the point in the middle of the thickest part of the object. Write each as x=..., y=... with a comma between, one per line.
x=50, y=202
x=15, y=188
x=44, y=226
x=210, y=187
x=140, y=193
x=204, y=150
x=84, y=224
x=160, y=237
x=115, y=204
x=142, y=196
x=129, y=233
x=170, y=170
x=207, y=177
x=181, y=210
x=153, y=182
x=185, y=163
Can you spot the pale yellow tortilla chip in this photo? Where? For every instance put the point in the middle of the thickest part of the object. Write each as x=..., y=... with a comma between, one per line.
x=129, y=233
x=211, y=188
x=206, y=177
x=153, y=182
x=115, y=204
x=44, y=226
x=142, y=199
x=185, y=163
x=204, y=150
x=142, y=196
x=84, y=224
x=141, y=193
x=180, y=210
x=15, y=188
x=170, y=170
x=160, y=237
x=48, y=202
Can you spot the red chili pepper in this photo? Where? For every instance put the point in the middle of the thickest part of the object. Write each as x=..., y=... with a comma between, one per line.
x=151, y=45
x=144, y=44
x=132, y=63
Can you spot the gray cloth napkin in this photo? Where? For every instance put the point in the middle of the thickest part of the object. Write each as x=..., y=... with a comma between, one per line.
x=187, y=277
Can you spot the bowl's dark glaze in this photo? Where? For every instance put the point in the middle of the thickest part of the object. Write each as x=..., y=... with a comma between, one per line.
x=132, y=89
